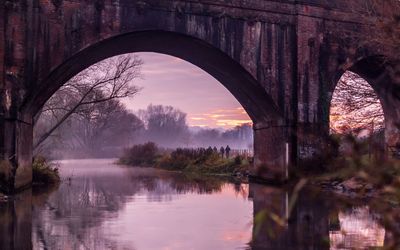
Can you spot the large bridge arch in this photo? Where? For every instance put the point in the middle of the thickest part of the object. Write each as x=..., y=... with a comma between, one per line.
x=269, y=144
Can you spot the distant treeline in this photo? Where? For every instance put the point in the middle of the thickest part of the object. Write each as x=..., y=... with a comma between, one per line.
x=106, y=128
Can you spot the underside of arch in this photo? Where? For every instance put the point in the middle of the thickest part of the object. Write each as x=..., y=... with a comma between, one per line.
x=250, y=94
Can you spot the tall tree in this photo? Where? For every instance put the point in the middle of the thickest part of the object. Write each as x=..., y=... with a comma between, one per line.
x=107, y=80
x=165, y=125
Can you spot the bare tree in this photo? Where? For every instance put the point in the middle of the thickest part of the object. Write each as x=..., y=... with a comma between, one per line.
x=102, y=82
x=165, y=125
x=355, y=105
x=103, y=124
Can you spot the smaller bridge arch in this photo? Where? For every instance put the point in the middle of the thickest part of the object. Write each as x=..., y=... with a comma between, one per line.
x=377, y=71
x=381, y=73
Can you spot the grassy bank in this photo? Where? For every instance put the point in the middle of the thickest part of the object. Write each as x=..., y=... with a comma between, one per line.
x=203, y=161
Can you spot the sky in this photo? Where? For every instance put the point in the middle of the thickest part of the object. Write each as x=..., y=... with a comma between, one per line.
x=171, y=81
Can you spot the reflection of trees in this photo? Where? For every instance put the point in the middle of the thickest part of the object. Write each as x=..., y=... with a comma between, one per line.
x=71, y=217
x=78, y=209
x=196, y=184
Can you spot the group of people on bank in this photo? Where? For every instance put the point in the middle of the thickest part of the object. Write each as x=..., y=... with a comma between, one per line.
x=224, y=152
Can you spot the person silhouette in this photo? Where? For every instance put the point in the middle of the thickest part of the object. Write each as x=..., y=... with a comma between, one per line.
x=222, y=151
x=227, y=151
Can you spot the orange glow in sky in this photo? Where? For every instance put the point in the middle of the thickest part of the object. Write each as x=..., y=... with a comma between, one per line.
x=225, y=118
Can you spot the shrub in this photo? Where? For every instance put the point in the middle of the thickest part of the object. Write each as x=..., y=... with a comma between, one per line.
x=44, y=173
x=140, y=155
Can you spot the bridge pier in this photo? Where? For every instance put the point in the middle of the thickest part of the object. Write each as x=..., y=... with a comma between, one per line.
x=279, y=148
x=312, y=141
x=16, y=154
x=271, y=153
x=392, y=123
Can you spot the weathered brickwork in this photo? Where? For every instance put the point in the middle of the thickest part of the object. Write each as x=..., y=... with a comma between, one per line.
x=280, y=59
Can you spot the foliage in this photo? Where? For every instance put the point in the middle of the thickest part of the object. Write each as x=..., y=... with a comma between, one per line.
x=140, y=155
x=44, y=173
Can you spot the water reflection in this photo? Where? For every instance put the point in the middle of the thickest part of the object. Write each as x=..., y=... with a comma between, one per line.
x=315, y=222
x=359, y=228
x=308, y=227
x=15, y=222
x=108, y=207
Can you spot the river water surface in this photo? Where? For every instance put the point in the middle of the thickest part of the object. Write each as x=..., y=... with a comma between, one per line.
x=100, y=205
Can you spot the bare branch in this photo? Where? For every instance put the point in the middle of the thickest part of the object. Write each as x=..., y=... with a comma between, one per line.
x=355, y=105
x=102, y=82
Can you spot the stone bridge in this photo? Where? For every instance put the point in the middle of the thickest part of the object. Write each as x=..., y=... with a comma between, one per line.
x=280, y=59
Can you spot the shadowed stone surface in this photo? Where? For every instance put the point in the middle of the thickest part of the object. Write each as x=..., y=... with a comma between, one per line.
x=280, y=59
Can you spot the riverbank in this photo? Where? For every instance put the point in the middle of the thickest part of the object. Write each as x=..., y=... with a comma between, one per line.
x=200, y=161
x=362, y=177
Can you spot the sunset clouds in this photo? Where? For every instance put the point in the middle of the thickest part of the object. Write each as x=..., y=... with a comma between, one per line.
x=225, y=118
x=171, y=81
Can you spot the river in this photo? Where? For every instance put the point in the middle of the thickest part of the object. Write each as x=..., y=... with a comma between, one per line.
x=100, y=205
